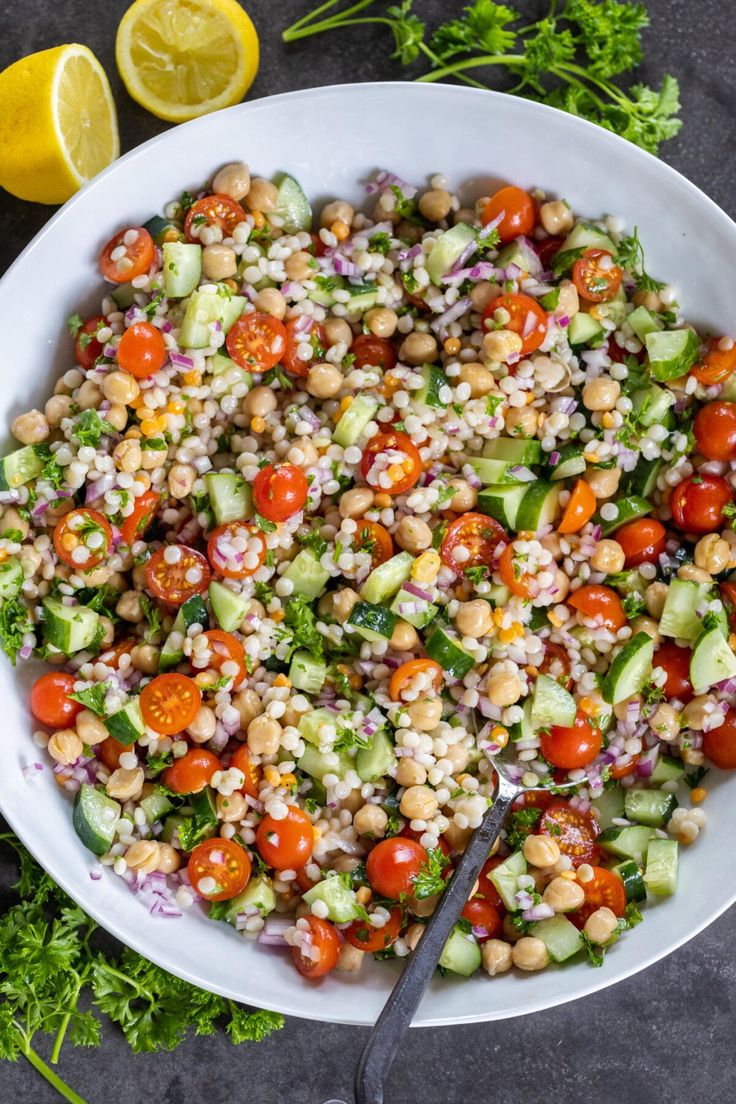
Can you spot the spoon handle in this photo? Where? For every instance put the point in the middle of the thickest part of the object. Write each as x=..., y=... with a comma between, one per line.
x=397, y=1013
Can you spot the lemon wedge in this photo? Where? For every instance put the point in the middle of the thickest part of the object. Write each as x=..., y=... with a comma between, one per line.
x=183, y=58
x=58, y=125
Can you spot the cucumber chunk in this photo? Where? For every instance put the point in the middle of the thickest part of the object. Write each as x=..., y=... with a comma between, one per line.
x=662, y=863
x=448, y=247
x=203, y=309
x=373, y=622
x=642, y=481
x=417, y=611
x=257, y=894
x=609, y=806
x=667, y=769
x=628, y=510
x=192, y=612
x=11, y=577
x=671, y=353
x=584, y=330
x=521, y=254
x=627, y=843
x=630, y=670
x=127, y=724
x=561, y=938
x=354, y=419
x=652, y=404
x=313, y=762
x=341, y=904
x=552, y=704
x=182, y=265
x=156, y=806
x=292, y=209
x=19, y=467
x=571, y=462
x=306, y=574
x=229, y=608
x=586, y=235
x=434, y=380
x=230, y=497
x=69, y=628
x=493, y=471
x=538, y=507
x=633, y=879
x=679, y=617
x=505, y=878
x=502, y=502
x=643, y=322
x=461, y=954
x=712, y=660
x=449, y=653
x=386, y=579
x=651, y=807
x=514, y=450
x=312, y=722
x=307, y=672
x=376, y=761
x=95, y=816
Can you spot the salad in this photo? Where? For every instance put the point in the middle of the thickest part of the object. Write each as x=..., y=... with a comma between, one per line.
x=330, y=510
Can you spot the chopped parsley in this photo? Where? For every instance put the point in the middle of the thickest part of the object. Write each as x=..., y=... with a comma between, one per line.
x=430, y=879
x=521, y=824
x=93, y=698
x=300, y=618
x=90, y=427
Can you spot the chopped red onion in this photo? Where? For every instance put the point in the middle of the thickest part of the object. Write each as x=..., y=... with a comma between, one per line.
x=522, y=474
x=181, y=360
x=26, y=651
x=554, y=458
x=512, y=272
x=32, y=770
x=538, y=912
x=412, y=588
x=564, y=321
x=273, y=933
x=96, y=872
x=491, y=226
x=645, y=766
x=457, y=310
x=99, y=487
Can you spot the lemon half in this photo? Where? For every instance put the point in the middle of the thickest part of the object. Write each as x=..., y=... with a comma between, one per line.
x=58, y=125
x=184, y=58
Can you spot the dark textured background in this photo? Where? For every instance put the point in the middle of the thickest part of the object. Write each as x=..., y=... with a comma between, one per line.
x=665, y=1035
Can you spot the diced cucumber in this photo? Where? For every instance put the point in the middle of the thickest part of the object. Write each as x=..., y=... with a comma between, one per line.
x=359, y=303
x=631, y=669
x=19, y=467
x=354, y=419
x=313, y=762
x=376, y=761
x=526, y=451
x=662, y=863
x=498, y=595
x=652, y=403
x=292, y=208
x=341, y=904
x=627, y=843
x=560, y=936
x=204, y=807
x=447, y=249
x=712, y=660
x=505, y=878
x=257, y=894
x=170, y=833
x=386, y=579
x=642, y=481
x=667, y=769
x=434, y=380
x=651, y=807
x=449, y=653
x=629, y=509
x=311, y=722
x=571, y=462
x=523, y=729
x=416, y=611
x=679, y=617
x=614, y=309
x=671, y=353
x=373, y=622
x=225, y=368
x=538, y=507
x=306, y=574
x=584, y=330
x=123, y=295
x=11, y=577
x=204, y=308
x=307, y=672
x=630, y=874
x=502, y=502
x=643, y=322
x=609, y=806
x=127, y=724
x=230, y=497
x=157, y=227
x=69, y=628
x=191, y=612
x=586, y=235
x=493, y=471
x=552, y=704
x=324, y=294
x=156, y=806
x=95, y=817
x=521, y=254
x=228, y=606
x=182, y=265
x=461, y=953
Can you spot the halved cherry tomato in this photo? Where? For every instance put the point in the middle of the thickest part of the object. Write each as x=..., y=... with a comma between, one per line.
x=715, y=431
x=642, y=541
x=407, y=672
x=257, y=341
x=547, y=249
x=373, y=352
x=517, y=209
x=286, y=844
x=401, y=465
x=623, y=771
x=86, y=347
x=604, y=890
x=728, y=596
x=111, y=656
x=109, y=751
x=213, y=210
x=141, y=351
x=83, y=538
x=169, y=703
x=478, y=534
x=596, y=276
x=219, y=869
x=241, y=761
x=393, y=864
x=302, y=879
x=557, y=664
x=574, y=831
x=486, y=888
x=365, y=937
x=192, y=772
x=50, y=701
x=570, y=747
x=174, y=582
x=526, y=318
x=719, y=744
x=522, y=584
x=716, y=365
x=301, y=330
x=226, y=648
x=598, y=602
x=280, y=491
x=580, y=508
x=324, y=949
x=698, y=502
x=135, y=524
x=227, y=556
x=485, y=919
x=411, y=833
x=675, y=661
x=136, y=259
x=370, y=536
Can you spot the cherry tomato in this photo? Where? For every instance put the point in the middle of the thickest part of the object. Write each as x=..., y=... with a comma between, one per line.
x=174, y=582
x=373, y=352
x=136, y=259
x=410, y=833
x=400, y=464
x=371, y=537
x=526, y=318
x=83, y=538
x=522, y=584
x=719, y=744
x=485, y=919
x=301, y=330
x=547, y=249
x=716, y=365
x=580, y=508
x=556, y=664
x=226, y=648
x=141, y=351
x=302, y=879
x=486, y=888
x=135, y=524
x=697, y=503
x=322, y=952
x=241, y=761
x=728, y=597
x=675, y=661
x=279, y=491
x=192, y=772
x=109, y=751
x=236, y=549
x=50, y=701
x=169, y=703
x=597, y=602
x=574, y=831
x=596, y=276
x=624, y=770
x=286, y=844
x=642, y=541
x=86, y=347
x=715, y=431
x=213, y=210
x=219, y=869
x=517, y=210
x=604, y=890
x=478, y=534
x=393, y=864
x=365, y=937
x=404, y=675
x=256, y=341
x=111, y=656
x=571, y=746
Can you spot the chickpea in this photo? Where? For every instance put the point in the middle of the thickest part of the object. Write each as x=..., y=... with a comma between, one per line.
x=232, y=180
x=90, y=729
x=57, y=408
x=11, y=519
x=181, y=480
x=646, y=625
x=608, y=557
x=355, y=502
x=529, y=953
x=142, y=856
x=337, y=330
x=458, y=756
x=145, y=658
x=712, y=554
x=126, y=785
x=382, y=321
x=556, y=217
x=603, y=482
x=694, y=574
x=254, y=610
x=498, y=345
x=694, y=714
x=413, y=934
x=117, y=416
x=413, y=534
x=169, y=859
x=503, y=687
x=65, y=746
x=568, y=303
x=563, y=895
x=127, y=455
x=371, y=820
x=120, y=387
x=350, y=959
x=655, y=596
x=425, y=714
x=324, y=380
x=30, y=428
x=464, y=214
x=259, y=402
x=410, y=773
x=404, y=638
x=30, y=561
x=129, y=607
x=219, y=262
x=203, y=726
x=264, y=735
x=248, y=705
x=435, y=204
x=549, y=374
x=89, y=396
x=474, y=618
x=482, y=294
x=262, y=195
x=496, y=956
x=541, y=851
x=418, y=348
x=465, y=497
x=600, y=925
x=418, y=803
x=336, y=211
x=665, y=722
x=521, y=421
x=648, y=299
x=299, y=266
x=270, y=301
x=231, y=808
x=601, y=393
x=479, y=378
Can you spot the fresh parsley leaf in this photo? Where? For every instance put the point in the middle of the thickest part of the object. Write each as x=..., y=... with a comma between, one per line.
x=630, y=255
x=74, y=324
x=550, y=300
x=157, y=764
x=93, y=698
x=483, y=27
x=609, y=32
x=152, y=616
x=694, y=778
x=264, y=524
x=89, y=427
x=595, y=954
x=408, y=32
x=314, y=541
x=13, y=535
x=521, y=824
x=15, y=621
x=430, y=880
x=380, y=243
x=300, y=618
x=563, y=261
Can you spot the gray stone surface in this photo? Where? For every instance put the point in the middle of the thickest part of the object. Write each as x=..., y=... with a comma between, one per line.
x=666, y=1035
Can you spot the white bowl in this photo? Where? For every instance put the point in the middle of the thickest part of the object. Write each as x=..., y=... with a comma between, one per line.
x=332, y=139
